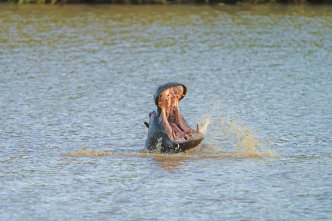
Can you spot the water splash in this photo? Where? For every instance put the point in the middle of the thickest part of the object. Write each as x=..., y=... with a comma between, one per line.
x=246, y=142
x=224, y=139
x=233, y=136
x=226, y=135
x=204, y=125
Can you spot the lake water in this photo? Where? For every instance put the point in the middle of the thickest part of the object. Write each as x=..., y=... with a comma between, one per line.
x=77, y=83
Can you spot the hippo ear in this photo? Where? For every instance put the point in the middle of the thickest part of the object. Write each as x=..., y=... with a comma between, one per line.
x=146, y=124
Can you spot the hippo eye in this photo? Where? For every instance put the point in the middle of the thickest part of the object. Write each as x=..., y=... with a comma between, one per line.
x=150, y=114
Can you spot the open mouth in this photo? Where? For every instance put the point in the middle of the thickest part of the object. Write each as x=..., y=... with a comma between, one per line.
x=167, y=99
x=168, y=131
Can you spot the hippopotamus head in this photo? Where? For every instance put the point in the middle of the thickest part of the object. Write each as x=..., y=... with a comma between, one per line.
x=168, y=130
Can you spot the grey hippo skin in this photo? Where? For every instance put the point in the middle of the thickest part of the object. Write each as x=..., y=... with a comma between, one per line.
x=168, y=130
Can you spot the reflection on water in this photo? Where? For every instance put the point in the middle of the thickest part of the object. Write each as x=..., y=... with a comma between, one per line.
x=259, y=83
x=239, y=136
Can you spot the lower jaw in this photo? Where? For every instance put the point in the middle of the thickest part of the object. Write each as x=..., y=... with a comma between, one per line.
x=174, y=146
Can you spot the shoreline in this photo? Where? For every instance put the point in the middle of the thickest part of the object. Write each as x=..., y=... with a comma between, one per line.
x=172, y=2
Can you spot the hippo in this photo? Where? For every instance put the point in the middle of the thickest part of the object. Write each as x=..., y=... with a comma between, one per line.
x=167, y=129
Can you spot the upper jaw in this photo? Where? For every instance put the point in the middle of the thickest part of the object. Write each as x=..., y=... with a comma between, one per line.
x=166, y=86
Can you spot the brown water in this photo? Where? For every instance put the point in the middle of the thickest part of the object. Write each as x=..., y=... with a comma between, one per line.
x=77, y=83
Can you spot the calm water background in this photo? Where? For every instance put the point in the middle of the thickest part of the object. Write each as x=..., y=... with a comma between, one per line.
x=75, y=77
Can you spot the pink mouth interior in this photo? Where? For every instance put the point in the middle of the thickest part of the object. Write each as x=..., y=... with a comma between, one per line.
x=176, y=126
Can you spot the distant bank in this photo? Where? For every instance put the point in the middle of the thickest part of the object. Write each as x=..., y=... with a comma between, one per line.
x=166, y=1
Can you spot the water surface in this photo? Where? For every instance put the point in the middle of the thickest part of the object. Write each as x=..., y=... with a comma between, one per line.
x=77, y=83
